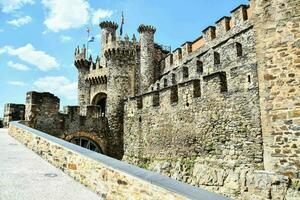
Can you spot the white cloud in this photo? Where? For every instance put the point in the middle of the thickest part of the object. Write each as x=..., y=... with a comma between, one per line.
x=60, y=86
x=17, y=83
x=63, y=15
x=101, y=14
x=20, y=21
x=8, y=6
x=29, y=55
x=66, y=14
x=18, y=66
x=65, y=38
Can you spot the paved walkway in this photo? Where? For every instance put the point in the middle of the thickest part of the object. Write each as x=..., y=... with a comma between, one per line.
x=23, y=176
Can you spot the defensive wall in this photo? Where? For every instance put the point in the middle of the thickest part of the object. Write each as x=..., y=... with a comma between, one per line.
x=109, y=178
x=201, y=121
x=203, y=112
x=13, y=112
x=221, y=112
x=42, y=113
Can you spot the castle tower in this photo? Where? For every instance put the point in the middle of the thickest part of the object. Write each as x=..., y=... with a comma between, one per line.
x=82, y=64
x=147, y=56
x=120, y=62
x=108, y=31
x=276, y=25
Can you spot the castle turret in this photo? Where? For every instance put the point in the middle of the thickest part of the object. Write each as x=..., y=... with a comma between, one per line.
x=119, y=86
x=108, y=32
x=82, y=65
x=147, y=56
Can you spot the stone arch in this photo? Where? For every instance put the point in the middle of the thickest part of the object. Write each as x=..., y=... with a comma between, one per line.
x=80, y=137
x=100, y=100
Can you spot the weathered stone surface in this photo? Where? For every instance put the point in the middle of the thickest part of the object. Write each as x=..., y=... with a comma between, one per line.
x=212, y=113
x=13, y=112
x=108, y=181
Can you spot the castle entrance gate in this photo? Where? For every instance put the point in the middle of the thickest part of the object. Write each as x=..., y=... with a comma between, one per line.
x=100, y=100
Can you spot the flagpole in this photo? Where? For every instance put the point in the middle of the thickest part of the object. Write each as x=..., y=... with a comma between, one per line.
x=87, y=44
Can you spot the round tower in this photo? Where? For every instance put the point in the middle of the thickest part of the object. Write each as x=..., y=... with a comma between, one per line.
x=119, y=86
x=147, y=56
x=82, y=65
x=108, y=30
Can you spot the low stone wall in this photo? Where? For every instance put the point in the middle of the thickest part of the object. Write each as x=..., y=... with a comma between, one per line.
x=110, y=178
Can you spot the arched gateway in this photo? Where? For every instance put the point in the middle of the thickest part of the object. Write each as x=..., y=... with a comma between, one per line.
x=86, y=143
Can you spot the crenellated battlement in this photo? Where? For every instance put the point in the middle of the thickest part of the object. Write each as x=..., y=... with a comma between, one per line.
x=80, y=53
x=81, y=62
x=92, y=111
x=214, y=112
x=120, y=53
x=117, y=42
x=97, y=76
x=109, y=25
x=146, y=29
x=207, y=86
x=225, y=28
x=42, y=112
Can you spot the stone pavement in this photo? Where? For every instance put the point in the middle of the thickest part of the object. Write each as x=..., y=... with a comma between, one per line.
x=26, y=176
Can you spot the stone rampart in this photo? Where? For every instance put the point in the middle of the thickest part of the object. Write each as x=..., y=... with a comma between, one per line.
x=13, y=112
x=109, y=178
x=42, y=113
x=227, y=28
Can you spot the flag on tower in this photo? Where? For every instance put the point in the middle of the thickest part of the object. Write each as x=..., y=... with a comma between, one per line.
x=91, y=39
x=122, y=23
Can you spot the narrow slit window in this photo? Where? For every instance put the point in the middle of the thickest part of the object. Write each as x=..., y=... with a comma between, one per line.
x=185, y=72
x=174, y=94
x=139, y=103
x=239, y=49
x=106, y=38
x=199, y=67
x=155, y=99
x=217, y=59
x=173, y=79
x=165, y=82
x=171, y=59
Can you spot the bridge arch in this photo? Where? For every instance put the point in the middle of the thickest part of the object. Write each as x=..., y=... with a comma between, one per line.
x=89, y=141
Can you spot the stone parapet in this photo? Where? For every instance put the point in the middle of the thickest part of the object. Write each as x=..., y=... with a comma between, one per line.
x=116, y=179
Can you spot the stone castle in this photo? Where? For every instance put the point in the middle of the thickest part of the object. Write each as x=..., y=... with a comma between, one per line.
x=221, y=112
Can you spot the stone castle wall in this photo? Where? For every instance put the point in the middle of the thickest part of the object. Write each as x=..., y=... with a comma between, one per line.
x=42, y=113
x=200, y=122
x=193, y=96
x=277, y=33
x=221, y=112
x=193, y=120
x=13, y=112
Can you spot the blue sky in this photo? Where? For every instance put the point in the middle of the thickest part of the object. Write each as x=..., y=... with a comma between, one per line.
x=38, y=37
